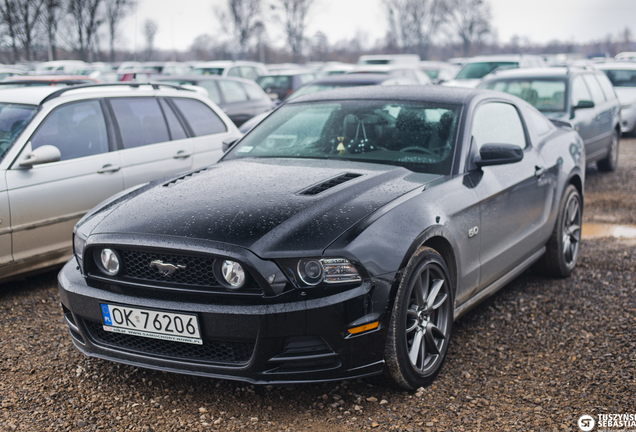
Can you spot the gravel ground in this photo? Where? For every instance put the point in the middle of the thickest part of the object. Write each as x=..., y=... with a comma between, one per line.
x=534, y=357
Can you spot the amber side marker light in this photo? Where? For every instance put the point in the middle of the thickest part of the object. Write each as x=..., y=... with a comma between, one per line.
x=364, y=328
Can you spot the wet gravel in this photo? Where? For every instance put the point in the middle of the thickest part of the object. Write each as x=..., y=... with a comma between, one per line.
x=534, y=357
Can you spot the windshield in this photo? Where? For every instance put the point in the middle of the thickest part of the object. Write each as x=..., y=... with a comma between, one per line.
x=481, y=69
x=315, y=88
x=622, y=78
x=13, y=118
x=544, y=95
x=420, y=137
x=206, y=71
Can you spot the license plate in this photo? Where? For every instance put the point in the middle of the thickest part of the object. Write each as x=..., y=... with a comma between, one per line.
x=178, y=327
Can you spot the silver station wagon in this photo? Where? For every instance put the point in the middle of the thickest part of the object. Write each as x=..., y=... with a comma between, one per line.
x=63, y=151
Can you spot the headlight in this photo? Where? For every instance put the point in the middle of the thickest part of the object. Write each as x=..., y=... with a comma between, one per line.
x=233, y=274
x=329, y=270
x=78, y=245
x=109, y=262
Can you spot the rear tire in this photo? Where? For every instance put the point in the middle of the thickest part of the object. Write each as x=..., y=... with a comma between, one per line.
x=562, y=250
x=421, y=322
x=611, y=161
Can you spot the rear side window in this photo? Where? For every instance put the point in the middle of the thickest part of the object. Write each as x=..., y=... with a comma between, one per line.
x=249, y=73
x=606, y=85
x=595, y=89
x=213, y=90
x=176, y=129
x=202, y=120
x=254, y=92
x=498, y=123
x=77, y=130
x=579, y=91
x=234, y=72
x=140, y=120
x=232, y=91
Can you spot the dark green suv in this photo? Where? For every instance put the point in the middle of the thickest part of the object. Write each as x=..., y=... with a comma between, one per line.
x=583, y=98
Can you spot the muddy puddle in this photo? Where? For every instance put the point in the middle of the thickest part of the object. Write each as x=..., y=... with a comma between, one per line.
x=597, y=230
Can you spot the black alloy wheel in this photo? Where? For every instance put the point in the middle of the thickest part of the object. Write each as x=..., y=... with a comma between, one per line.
x=562, y=250
x=611, y=161
x=421, y=322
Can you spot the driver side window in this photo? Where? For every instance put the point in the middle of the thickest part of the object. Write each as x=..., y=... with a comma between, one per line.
x=498, y=123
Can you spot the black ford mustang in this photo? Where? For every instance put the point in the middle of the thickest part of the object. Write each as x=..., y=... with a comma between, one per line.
x=338, y=239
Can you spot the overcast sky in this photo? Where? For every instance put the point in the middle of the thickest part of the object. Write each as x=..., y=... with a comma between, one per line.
x=180, y=21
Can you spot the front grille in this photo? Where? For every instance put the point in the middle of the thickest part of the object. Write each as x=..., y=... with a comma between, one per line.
x=198, y=271
x=226, y=352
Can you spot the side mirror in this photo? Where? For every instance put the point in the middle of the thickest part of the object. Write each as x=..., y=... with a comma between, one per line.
x=227, y=144
x=583, y=104
x=41, y=155
x=498, y=154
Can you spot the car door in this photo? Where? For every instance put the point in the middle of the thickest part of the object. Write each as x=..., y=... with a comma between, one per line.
x=604, y=115
x=5, y=223
x=47, y=200
x=207, y=128
x=150, y=149
x=512, y=197
x=583, y=119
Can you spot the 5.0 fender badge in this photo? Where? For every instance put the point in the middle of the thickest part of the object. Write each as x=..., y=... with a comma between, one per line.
x=473, y=232
x=166, y=269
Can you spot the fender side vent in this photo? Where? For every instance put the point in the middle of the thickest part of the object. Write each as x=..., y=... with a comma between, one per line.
x=183, y=178
x=315, y=190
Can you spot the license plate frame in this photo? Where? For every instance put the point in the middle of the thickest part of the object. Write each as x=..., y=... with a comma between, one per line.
x=151, y=323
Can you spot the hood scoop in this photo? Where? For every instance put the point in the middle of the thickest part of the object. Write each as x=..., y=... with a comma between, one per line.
x=319, y=188
x=184, y=178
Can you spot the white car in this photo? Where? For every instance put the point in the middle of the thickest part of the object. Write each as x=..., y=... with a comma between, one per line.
x=623, y=78
x=239, y=69
x=63, y=151
x=475, y=68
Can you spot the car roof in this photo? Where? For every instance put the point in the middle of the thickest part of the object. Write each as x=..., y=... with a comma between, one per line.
x=616, y=66
x=353, y=78
x=548, y=72
x=225, y=63
x=288, y=72
x=498, y=58
x=26, y=95
x=201, y=78
x=417, y=93
x=49, y=78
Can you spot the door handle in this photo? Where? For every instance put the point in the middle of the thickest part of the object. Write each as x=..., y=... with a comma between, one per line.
x=539, y=171
x=181, y=154
x=108, y=168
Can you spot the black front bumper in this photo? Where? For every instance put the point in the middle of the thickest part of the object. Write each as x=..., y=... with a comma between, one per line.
x=286, y=342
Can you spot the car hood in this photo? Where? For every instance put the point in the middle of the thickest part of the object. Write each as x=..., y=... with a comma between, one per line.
x=262, y=204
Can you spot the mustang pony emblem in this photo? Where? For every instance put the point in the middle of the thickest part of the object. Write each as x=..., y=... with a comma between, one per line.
x=166, y=269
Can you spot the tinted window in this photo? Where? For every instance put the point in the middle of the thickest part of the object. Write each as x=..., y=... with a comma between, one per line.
x=206, y=71
x=232, y=91
x=418, y=136
x=622, y=78
x=176, y=129
x=498, y=123
x=595, y=89
x=202, y=120
x=13, y=118
x=140, y=120
x=76, y=129
x=479, y=70
x=579, y=91
x=254, y=92
x=606, y=85
x=544, y=95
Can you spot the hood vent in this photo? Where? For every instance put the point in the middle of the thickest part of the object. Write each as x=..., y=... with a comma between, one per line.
x=184, y=178
x=315, y=190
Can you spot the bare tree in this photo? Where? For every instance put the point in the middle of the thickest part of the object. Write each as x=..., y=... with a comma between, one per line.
x=150, y=31
x=412, y=23
x=468, y=19
x=28, y=12
x=116, y=10
x=87, y=18
x=240, y=18
x=51, y=17
x=9, y=18
x=294, y=23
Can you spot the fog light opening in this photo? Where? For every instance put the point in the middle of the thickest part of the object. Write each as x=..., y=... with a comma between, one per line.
x=233, y=274
x=109, y=261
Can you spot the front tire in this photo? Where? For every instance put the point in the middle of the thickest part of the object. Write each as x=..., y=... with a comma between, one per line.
x=421, y=322
x=562, y=250
x=611, y=161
